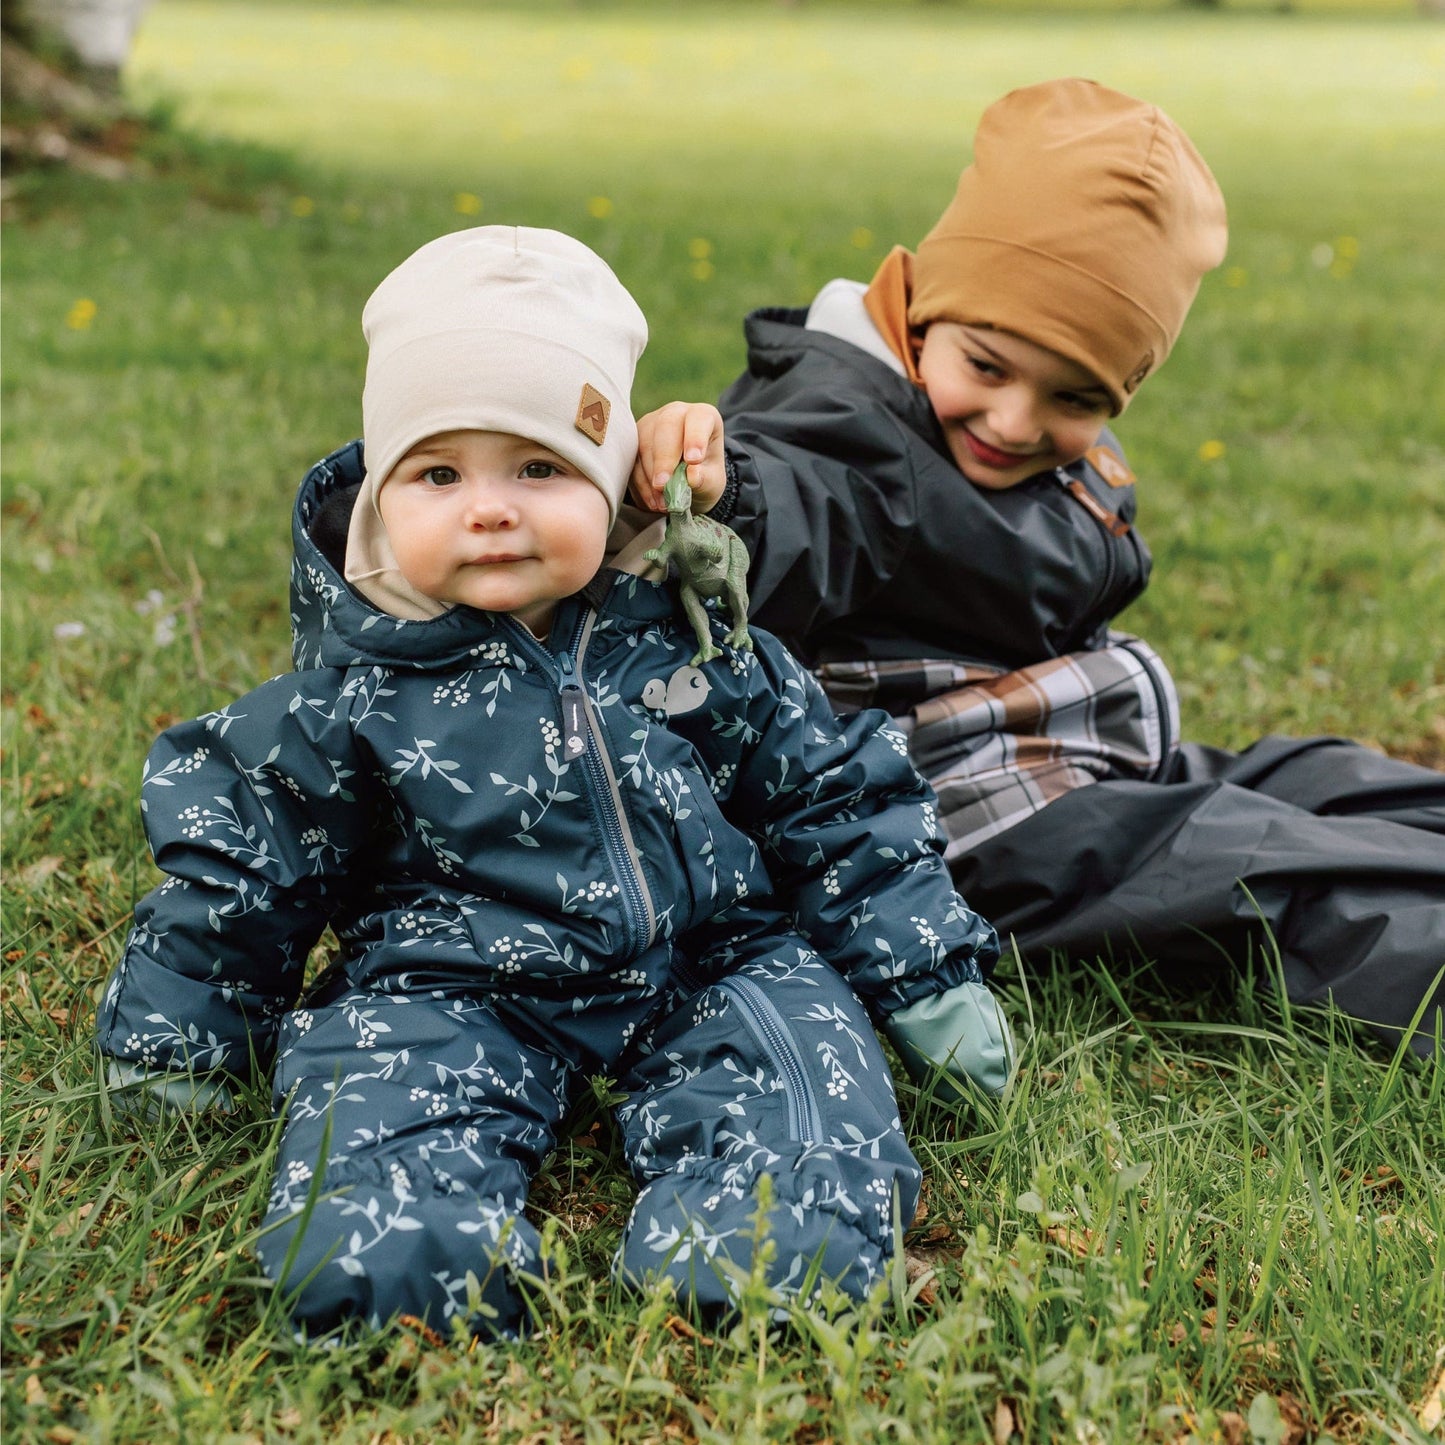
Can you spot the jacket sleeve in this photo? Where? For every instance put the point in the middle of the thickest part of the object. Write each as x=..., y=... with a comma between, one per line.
x=253, y=813
x=850, y=833
x=825, y=504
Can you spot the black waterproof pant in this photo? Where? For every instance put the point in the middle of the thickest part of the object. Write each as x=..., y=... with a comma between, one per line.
x=1335, y=852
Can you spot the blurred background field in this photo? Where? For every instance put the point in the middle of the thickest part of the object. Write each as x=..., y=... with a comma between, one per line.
x=180, y=344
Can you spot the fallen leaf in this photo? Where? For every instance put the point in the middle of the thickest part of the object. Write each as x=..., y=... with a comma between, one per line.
x=35, y=1395
x=1079, y=1242
x=1005, y=1423
x=679, y=1327
x=411, y=1322
x=921, y=1273
x=72, y=1221
x=40, y=872
x=1432, y=1407
x=1382, y=1177
x=1232, y=1427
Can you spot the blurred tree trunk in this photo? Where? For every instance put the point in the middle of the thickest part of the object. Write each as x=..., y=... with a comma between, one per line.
x=93, y=35
x=60, y=103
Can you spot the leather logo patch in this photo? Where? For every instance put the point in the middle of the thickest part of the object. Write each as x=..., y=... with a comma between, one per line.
x=1136, y=377
x=592, y=413
x=1110, y=466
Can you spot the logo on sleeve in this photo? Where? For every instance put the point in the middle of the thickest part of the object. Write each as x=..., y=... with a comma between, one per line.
x=592, y=413
x=1110, y=466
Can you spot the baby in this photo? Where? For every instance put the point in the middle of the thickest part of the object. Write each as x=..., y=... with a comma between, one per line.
x=549, y=846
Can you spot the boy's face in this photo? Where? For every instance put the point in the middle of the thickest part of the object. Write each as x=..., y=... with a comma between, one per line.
x=494, y=521
x=1009, y=407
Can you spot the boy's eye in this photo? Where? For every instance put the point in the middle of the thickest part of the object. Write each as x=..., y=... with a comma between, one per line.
x=440, y=476
x=1085, y=404
x=540, y=471
x=983, y=367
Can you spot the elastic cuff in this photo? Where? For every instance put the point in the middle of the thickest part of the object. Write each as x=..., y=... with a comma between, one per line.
x=722, y=510
x=148, y=1094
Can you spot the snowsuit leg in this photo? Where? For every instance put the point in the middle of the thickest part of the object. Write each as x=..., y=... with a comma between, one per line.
x=772, y=1068
x=1333, y=848
x=433, y=1115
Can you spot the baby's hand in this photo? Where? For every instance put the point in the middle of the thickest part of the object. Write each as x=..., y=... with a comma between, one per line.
x=690, y=431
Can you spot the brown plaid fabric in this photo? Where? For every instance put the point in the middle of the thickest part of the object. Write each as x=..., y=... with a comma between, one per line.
x=998, y=746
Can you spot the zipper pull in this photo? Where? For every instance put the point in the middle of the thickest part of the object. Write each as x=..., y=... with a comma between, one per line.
x=575, y=729
x=1111, y=522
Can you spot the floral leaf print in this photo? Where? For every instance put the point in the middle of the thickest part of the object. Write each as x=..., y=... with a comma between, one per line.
x=177, y=767
x=422, y=758
x=245, y=901
x=368, y=691
x=527, y=824
x=220, y=721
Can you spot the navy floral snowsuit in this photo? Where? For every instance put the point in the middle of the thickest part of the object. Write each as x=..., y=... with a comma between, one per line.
x=542, y=861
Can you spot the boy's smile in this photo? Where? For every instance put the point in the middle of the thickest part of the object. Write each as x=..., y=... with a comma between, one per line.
x=1008, y=407
x=493, y=521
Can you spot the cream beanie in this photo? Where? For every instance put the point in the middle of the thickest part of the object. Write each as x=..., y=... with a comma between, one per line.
x=499, y=328
x=1084, y=224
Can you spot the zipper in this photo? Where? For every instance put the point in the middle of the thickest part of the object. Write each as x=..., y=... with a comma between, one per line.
x=580, y=728
x=626, y=859
x=771, y=1030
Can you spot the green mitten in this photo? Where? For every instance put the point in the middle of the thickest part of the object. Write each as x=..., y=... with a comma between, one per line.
x=959, y=1035
x=148, y=1094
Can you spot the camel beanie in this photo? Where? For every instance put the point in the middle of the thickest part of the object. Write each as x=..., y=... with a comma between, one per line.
x=1084, y=224
x=498, y=328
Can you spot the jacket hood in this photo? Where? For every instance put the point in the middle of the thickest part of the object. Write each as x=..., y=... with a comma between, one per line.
x=334, y=626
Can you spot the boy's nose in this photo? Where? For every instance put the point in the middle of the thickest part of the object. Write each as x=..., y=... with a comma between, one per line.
x=1015, y=418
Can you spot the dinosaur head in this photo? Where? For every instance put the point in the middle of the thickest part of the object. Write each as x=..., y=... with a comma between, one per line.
x=677, y=495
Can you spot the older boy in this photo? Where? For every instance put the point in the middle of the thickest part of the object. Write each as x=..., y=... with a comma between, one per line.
x=941, y=524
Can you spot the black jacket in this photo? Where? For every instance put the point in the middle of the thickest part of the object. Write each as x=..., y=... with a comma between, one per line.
x=827, y=442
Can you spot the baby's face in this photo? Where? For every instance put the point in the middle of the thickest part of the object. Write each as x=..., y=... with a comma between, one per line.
x=491, y=520
x=1009, y=407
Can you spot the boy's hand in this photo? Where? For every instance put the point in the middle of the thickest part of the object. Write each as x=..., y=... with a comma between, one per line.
x=690, y=431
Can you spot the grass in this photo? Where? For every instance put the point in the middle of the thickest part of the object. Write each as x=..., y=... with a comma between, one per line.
x=1191, y=1209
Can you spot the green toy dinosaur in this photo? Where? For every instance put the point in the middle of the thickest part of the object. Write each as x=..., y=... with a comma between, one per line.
x=710, y=561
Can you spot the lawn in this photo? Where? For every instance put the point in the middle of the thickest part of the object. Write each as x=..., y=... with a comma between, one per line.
x=1198, y=1217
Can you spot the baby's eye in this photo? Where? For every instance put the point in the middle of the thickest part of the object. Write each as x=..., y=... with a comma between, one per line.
x=440, y=476
x=984, y=367
x=540, y=471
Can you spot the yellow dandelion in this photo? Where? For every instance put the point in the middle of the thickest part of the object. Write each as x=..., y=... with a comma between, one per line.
x=302, y=206
x=861, y=238
x=1347, y=248
x=1211, y=451
x=599, y=208
x=702, y=270
x=467, y=204
x=1236, y=276
x=1341, y=267
x=351, y=211
x=81, y=314
x=578, y=68
x=699, y=249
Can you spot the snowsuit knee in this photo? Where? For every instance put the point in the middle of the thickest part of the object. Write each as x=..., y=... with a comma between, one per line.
x=772, y=1067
